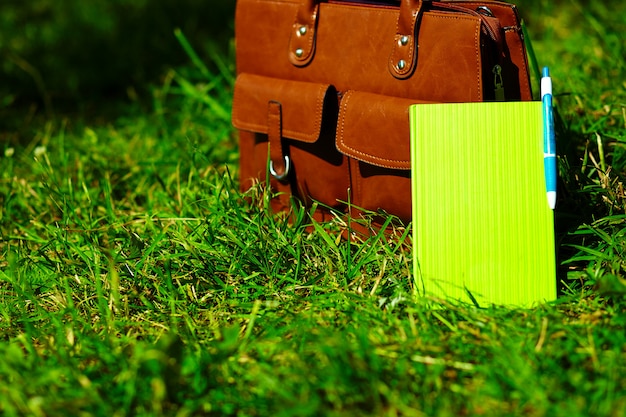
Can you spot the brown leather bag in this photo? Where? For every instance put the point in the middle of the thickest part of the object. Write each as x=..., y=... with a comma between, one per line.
x=323, y=89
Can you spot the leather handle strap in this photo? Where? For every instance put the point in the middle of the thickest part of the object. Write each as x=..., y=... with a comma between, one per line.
x=403, y=57
x=303, y=33
x=279, y=162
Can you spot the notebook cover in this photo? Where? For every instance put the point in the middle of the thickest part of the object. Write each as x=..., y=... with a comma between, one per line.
x=482, y=228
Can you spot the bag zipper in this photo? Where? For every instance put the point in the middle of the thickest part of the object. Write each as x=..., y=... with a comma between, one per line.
x=497, y=83
x=496, y=68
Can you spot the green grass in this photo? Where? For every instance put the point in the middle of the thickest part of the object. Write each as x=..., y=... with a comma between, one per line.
x=136, y=280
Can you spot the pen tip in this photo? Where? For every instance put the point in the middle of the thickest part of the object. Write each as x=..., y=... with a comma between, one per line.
x=545, y=72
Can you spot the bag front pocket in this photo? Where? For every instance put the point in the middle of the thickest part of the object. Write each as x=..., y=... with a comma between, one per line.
x=373, y=131
x=287, y=131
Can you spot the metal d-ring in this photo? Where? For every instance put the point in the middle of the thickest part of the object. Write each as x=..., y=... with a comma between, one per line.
x=283, y=176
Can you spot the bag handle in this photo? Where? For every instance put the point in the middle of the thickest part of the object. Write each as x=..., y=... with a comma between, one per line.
x=403, y=57
x=303, y=33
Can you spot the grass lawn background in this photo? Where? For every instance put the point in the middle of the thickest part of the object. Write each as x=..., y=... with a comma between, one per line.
x=136, y=280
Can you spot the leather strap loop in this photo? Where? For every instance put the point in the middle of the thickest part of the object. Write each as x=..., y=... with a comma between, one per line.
x=403, y=57
x=303, y=33
x=279, y=162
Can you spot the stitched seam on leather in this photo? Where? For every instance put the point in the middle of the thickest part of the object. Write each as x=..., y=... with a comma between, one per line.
x=310, y=35
x=368, y=157
x=289, y=134
x=274, y=133
x=477, y=44
x=381, y=11
x=524, y=70
x=523, y=76
x=454, y=17
x=309, y=43
x=395, y=53
x=312, y=137
x=239, y=123
x=281, y=1
x=413, y=40
x=412, y=46
x=478, y=61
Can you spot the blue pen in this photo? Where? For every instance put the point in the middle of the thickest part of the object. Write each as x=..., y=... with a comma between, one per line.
x=549, y=142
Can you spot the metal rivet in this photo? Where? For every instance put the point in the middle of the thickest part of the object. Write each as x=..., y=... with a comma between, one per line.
x=401, y=64
x=302, y=30
x=299, y=52
x=404, y=40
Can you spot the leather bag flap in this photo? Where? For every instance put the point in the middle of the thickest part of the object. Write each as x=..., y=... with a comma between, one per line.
x=375, y=129
x=302, y=105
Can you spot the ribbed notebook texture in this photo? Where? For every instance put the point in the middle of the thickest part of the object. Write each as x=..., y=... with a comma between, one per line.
x=481, y=220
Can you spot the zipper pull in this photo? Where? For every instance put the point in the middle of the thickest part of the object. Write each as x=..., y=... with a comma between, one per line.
x=497, y=82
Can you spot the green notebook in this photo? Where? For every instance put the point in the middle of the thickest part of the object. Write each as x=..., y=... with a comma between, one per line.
x=482, y=227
